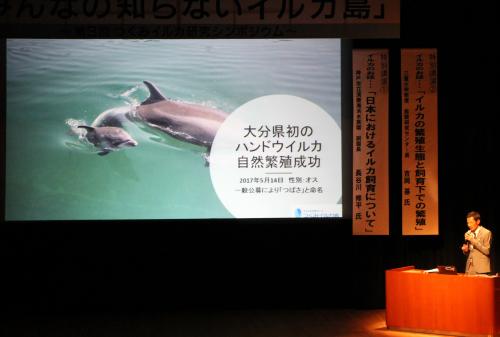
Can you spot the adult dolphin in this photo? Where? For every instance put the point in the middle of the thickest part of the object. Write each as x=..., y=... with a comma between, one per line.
x=108, y=138
x=192, y=123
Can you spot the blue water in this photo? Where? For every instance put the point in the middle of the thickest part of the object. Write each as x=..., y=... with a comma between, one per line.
x=52, y=174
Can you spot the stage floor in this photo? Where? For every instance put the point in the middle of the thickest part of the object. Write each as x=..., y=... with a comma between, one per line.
x=207, y=323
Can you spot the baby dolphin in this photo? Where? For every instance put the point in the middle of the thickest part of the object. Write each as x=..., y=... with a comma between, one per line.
x=192, y=123
x=108, y=138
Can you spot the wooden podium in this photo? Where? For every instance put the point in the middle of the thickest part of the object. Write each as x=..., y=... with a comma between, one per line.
x=439, y=303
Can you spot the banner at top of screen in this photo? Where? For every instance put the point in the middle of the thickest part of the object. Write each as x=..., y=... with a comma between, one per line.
x=381, y=17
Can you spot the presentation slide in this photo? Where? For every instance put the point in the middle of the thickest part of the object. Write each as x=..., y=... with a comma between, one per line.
x=172, y=129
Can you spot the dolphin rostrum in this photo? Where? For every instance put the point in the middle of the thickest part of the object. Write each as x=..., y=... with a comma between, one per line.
x=192, y=123
x=108, y=138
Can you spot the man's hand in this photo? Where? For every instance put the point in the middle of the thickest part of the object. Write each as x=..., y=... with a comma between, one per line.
x=469, y=236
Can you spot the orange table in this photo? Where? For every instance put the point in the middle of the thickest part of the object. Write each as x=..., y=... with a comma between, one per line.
x=438, y=303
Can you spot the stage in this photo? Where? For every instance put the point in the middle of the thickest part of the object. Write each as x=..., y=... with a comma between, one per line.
x=207, y=323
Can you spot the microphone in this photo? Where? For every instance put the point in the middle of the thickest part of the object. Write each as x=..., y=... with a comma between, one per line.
x=465, y=240
x=469, y=232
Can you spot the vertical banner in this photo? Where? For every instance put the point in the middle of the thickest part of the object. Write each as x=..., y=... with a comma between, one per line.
x=419, y=142
x=370, y=142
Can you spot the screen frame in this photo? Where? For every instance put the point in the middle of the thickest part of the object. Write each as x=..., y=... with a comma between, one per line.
x=346, y=153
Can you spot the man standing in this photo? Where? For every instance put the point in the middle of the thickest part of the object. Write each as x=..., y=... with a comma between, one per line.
x=477, y=246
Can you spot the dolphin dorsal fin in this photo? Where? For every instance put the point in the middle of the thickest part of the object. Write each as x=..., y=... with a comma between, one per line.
x=88, y=128
x=154, y=94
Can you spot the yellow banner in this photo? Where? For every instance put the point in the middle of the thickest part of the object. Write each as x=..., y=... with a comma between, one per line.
x=205, y=12
x=419, y=142
x=370, y=142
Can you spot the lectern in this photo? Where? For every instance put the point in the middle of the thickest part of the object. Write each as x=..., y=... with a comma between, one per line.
x=437, y=303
